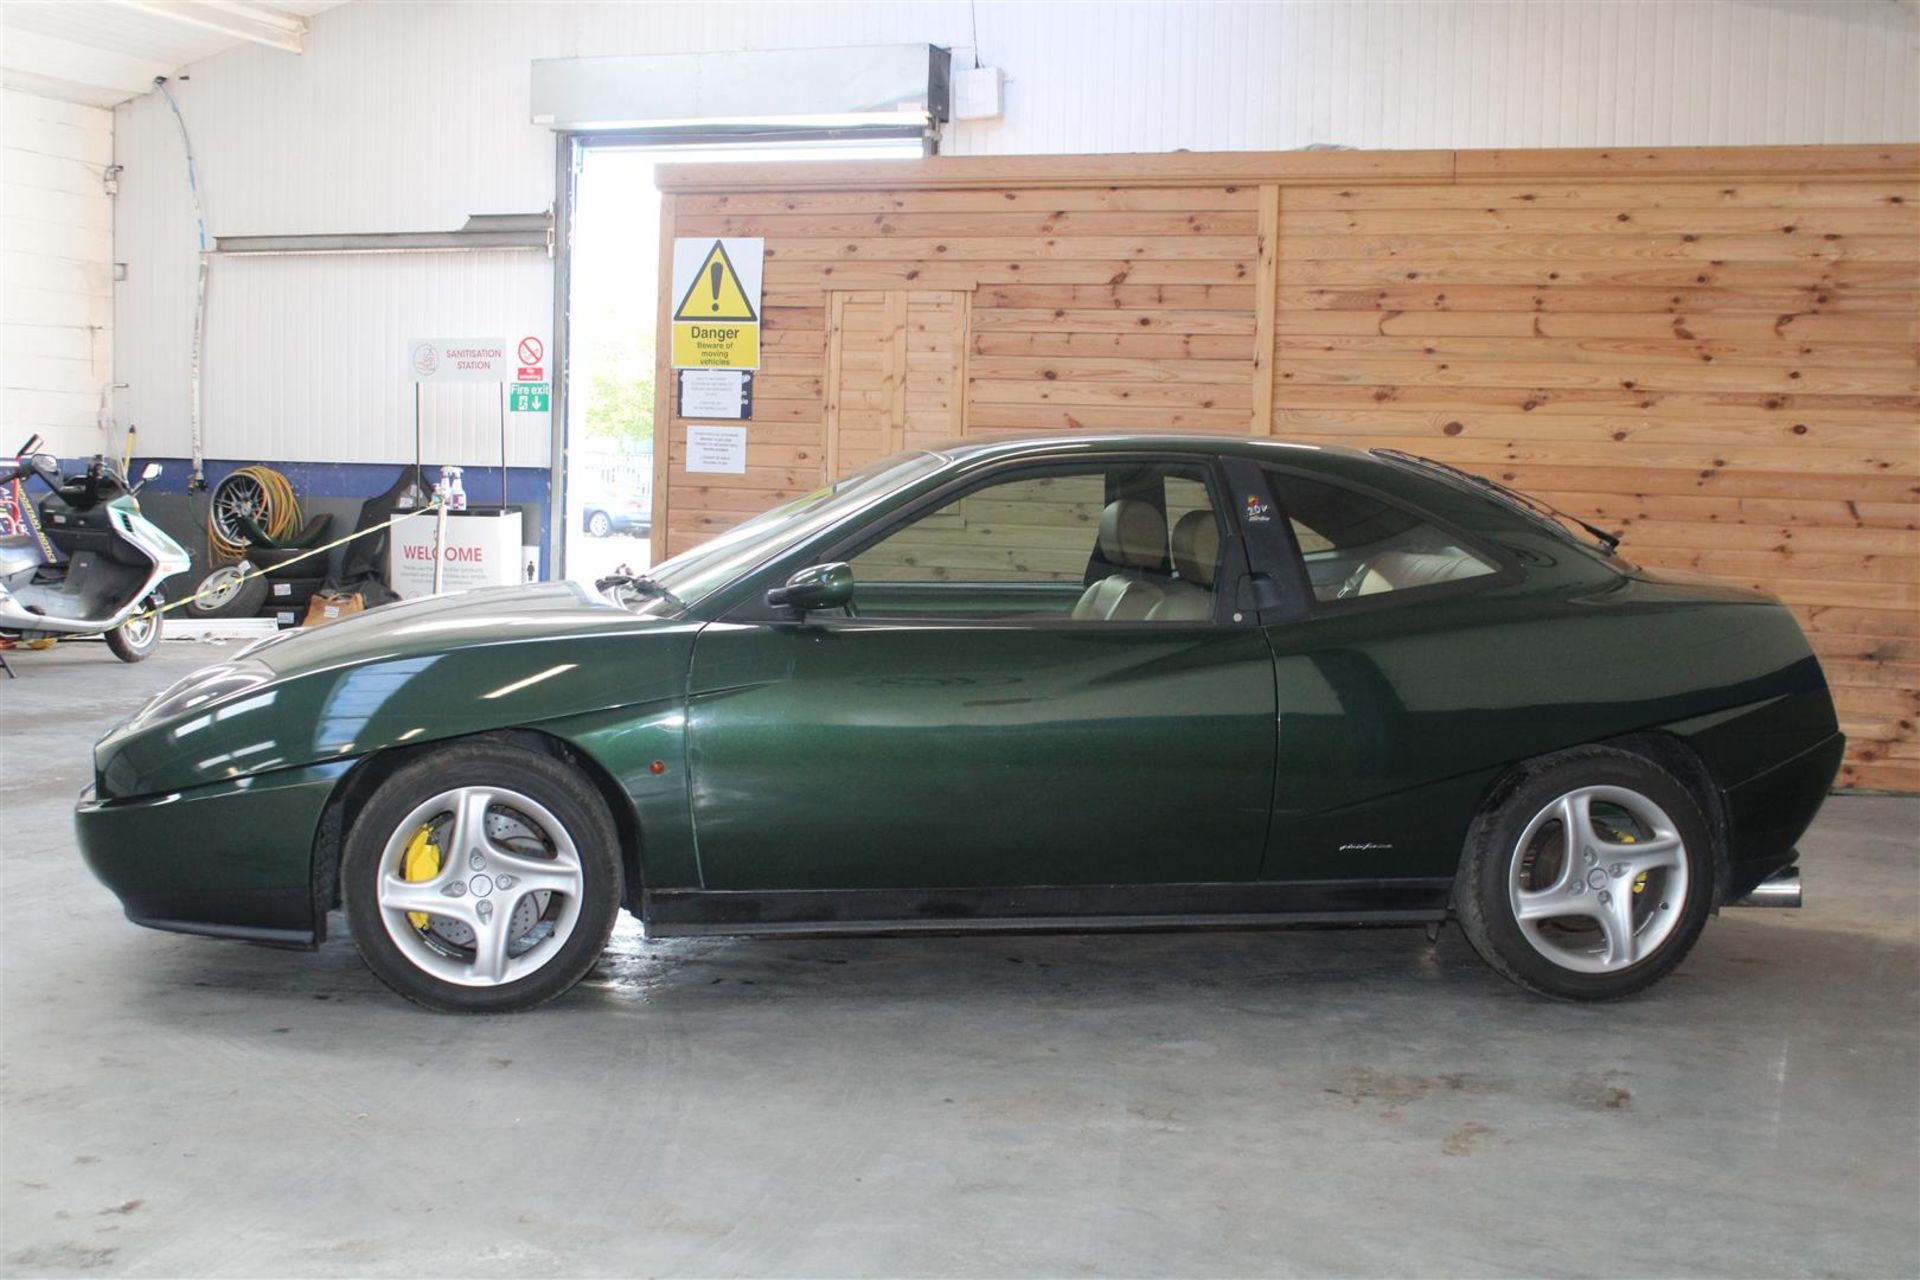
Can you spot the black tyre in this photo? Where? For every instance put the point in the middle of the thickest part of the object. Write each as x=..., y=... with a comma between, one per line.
x=228, y=593
x=291, y=593
x=599, y=524
x=135, y=639
x=1606, y=913
x=482, y=878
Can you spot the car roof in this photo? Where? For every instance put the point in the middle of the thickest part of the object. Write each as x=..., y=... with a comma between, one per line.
x=1259, y=449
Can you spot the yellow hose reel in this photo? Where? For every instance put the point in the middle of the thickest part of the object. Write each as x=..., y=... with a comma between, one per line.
x=262, y=495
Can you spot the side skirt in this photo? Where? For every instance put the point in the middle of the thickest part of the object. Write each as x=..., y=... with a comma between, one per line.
x=1071, y=908
x=289, y=939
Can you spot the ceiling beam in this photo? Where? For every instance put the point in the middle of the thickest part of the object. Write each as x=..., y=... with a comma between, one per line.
x=52, y=58
x=241, y=19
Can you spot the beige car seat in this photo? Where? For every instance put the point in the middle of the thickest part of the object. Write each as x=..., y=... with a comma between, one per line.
x=1196, y=557
x=1398, y=570
x=1133, y=535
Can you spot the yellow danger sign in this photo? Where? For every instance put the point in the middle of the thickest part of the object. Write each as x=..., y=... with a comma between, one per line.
x=715, y=346
x=715, y=293
x=716, y=311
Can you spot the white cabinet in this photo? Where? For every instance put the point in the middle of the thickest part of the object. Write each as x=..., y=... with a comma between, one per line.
x=482, y=549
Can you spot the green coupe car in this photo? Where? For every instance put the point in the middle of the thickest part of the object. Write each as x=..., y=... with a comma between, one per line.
x=1069, y=683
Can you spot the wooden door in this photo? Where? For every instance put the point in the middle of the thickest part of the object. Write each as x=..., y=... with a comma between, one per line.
x=896, y=372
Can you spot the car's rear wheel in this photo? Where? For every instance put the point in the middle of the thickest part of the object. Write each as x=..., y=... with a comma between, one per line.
x=482, y=878
x=1591, y=880
x=599, y=524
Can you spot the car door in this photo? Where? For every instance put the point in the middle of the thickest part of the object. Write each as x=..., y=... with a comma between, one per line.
x=1012, y=699
x=1387, y=669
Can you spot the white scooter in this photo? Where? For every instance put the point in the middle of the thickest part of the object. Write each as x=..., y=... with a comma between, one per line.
x=106, y=566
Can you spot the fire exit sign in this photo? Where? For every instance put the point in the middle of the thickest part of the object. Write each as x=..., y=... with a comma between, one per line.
x=527, y=397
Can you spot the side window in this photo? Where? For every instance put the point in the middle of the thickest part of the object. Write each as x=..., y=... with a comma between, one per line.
x=1102, y=543
x=1355, y=545
x=1035, y=530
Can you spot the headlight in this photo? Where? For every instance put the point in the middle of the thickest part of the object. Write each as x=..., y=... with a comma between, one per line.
x=204, y=687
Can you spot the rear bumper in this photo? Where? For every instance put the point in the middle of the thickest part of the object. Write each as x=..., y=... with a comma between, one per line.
x=1767, y=814
x=234, y=860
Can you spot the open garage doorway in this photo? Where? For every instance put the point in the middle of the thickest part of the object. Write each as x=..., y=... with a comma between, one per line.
x=612, y=306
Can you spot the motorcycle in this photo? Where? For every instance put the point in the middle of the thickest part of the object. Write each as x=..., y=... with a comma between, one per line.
x=95, y=564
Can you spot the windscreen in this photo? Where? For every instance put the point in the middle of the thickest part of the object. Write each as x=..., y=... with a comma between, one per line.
x=696, y=572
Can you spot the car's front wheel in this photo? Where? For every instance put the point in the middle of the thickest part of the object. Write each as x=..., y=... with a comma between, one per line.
x=1591, y=880
x=599, y=524
x=481, y=878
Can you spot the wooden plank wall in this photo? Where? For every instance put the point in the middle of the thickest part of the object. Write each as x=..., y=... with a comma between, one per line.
x=1714, y=352
x=1025, y=531
x=891, y=371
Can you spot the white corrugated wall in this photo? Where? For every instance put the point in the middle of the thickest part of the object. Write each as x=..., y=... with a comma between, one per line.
x=407, y=117
x=56, y=276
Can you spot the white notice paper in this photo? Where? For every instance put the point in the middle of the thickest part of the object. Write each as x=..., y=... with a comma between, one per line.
x=718, y=449
x=712, y=393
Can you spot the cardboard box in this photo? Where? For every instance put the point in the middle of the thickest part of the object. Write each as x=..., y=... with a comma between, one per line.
x=330, y=607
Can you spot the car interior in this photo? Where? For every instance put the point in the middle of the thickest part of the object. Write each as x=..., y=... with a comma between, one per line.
x=1355, y=545
x=1134, y=543
x=1121, y=543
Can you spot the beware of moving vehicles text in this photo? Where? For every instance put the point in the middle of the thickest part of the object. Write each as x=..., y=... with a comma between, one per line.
x=716, y=310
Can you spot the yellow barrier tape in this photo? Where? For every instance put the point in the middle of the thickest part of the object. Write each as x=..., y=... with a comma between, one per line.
x=307, y=554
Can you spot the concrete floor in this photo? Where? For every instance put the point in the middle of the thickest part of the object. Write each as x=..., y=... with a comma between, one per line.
x=1336, y=1103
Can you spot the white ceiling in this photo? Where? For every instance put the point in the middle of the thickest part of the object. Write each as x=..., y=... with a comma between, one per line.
x=105, y=53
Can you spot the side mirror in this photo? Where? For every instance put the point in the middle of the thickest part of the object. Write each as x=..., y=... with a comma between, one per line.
x=820, y=586
x=47, y=466
x=150, y=472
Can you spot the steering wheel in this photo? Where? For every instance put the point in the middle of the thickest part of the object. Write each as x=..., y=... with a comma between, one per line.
x=1355, y=580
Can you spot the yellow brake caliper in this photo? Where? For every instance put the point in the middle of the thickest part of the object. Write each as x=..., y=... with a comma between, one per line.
x=1639, y=881
x=421, y=862
x=1622, y=837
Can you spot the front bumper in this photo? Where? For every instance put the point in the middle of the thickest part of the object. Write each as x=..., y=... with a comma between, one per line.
x=232, y=860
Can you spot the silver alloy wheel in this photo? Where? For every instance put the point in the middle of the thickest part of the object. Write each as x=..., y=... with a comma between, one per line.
x=1598, y=879
x=240, y=495
x=221, y=585
x=506, y=896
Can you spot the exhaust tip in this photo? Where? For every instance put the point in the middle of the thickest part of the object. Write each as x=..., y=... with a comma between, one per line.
x=1781, y=889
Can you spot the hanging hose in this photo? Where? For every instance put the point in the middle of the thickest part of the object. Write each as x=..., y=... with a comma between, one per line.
x=198, y=478
x=262, y=495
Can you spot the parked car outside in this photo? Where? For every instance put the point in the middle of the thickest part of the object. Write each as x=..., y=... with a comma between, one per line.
x=604, y=514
